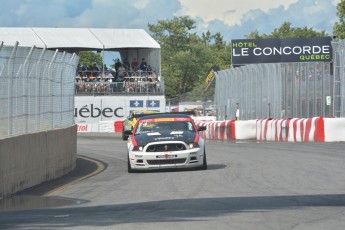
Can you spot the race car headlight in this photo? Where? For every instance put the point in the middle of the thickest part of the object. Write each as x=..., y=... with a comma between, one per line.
x=138, y=148
x=193, y=145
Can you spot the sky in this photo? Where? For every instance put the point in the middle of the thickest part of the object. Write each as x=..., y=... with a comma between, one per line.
x=234, y=19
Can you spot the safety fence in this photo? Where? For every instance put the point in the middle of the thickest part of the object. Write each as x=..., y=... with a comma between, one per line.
x=37, y=90
x=283, y=90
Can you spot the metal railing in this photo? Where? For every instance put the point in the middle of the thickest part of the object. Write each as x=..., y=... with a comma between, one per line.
x=36, y=90
x=114, y=88
x=107, y=85
x=339, y=79
x=280, y=90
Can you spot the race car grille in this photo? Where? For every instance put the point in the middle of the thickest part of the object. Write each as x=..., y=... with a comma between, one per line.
x=167, y=161
x=166, y=147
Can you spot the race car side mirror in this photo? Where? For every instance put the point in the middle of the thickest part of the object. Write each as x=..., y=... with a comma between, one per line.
x=201, y=128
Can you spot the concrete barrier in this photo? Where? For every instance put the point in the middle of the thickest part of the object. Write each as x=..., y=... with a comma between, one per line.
x=334, y=129
x=229, y=130
x=318, y=129
x=30, y=159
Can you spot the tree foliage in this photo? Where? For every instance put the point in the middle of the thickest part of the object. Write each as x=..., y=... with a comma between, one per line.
x=186, y=57
x=286, y=31
x=339, y=27
x=90, y=58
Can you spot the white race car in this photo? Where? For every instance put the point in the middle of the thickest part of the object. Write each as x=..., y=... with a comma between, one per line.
x=166, y=140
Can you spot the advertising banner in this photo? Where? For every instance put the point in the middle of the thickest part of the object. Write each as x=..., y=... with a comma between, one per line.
x=250, y=51
x=90, y=110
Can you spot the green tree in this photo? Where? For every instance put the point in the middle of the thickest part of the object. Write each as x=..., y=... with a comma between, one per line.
x=339, y=27
x=186, y=57
x=286, y=31
x=90, y=58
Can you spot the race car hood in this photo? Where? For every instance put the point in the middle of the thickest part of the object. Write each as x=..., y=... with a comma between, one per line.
x=185, y=136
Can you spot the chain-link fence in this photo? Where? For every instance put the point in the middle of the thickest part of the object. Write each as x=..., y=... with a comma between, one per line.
x=339, y=79
x=283, y=90
x=36, y=90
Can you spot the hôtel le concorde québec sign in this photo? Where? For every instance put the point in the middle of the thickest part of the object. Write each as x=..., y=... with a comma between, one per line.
x=275, y=50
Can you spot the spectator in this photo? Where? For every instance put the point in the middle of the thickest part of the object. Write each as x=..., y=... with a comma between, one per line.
x=105, y=67
x=121, y=73
x=117, y=64
x=126, y=64
x=153, y=82
x=95, y=70
x=79, y=71
x=134, y=64
x=84, y=71
x=143, y=65
x=149, y=69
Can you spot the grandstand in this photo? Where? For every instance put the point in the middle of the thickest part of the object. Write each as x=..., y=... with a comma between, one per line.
x=137, y=90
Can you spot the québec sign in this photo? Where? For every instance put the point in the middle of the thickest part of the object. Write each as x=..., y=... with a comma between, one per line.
x=91, y=111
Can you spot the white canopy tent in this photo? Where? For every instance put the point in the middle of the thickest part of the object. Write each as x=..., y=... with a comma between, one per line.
x=130, y=43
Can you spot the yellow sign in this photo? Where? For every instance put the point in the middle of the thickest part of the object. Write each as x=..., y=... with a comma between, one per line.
x=210, y=76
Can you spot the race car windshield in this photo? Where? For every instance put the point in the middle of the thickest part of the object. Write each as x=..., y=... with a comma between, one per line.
x=149, y=127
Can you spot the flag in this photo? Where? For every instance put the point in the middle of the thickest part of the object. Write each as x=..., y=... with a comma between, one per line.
x=136, y=103
x=152, y=103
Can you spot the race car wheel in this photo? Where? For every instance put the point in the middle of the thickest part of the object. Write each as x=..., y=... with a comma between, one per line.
x=130, y=170
x=204, y=162
x=124, y=137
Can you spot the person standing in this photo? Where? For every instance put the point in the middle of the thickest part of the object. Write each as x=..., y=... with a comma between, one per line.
x=143, y=65
x=134, y=64
x=237, y=114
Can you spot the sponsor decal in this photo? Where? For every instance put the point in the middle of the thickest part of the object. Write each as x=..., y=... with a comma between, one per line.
x=164, y=138
x=171, y=119
x=176, y=132
x=82, y=128
x=93, y=111
x=136, y=103
x=153, y=134
x=248, y=51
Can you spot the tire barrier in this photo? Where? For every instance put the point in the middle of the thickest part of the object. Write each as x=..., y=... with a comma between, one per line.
x=316, y=129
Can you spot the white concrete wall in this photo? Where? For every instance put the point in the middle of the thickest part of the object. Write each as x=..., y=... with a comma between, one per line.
x=30, y=159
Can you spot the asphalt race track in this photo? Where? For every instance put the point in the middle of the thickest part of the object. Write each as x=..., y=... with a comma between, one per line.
x=248, y=185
